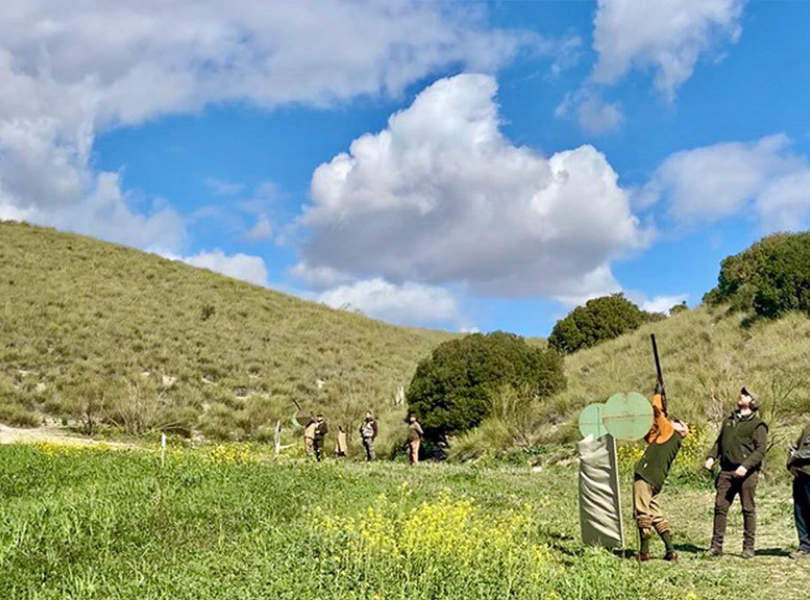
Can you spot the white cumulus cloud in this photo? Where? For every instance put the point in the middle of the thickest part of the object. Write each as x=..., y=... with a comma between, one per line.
x=594, y=115
x=441, y=196
x=408, y=303
x=239, y=266
x=666, y=36
x=662, y=304
x=765, y=179
x=71, y=70
x=261, y=230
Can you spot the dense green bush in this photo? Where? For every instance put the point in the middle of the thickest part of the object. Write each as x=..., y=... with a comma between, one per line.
x=600, y=319
x=770, y=278
x=452, y=391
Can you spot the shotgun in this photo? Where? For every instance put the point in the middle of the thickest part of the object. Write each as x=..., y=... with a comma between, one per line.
x=659, y=375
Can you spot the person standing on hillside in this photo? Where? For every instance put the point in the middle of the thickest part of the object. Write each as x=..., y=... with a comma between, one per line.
x=415, y=435
x=799, y=466
x=740, y=448
x=663, y=443
x=309, y=436
x=368, y=433
x=341, y=443
x=320, y=433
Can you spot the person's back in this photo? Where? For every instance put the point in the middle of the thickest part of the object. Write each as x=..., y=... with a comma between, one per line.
x=341, y=442
x=368, y=432
x=415, y=434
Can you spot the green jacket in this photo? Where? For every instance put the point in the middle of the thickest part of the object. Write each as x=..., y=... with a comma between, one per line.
x=657, y=459
x=742, y=442
x=800, y=454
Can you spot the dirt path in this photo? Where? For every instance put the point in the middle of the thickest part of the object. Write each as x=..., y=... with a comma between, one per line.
x=57, y=435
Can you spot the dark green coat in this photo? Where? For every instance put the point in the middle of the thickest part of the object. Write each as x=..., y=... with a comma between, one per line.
x=657, y=460
x=800, y=454
x=742, y=442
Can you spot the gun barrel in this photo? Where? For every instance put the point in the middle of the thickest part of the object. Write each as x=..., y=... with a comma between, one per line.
x=657, y=360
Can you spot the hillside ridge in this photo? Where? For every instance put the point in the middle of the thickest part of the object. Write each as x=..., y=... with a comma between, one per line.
x=183, y=347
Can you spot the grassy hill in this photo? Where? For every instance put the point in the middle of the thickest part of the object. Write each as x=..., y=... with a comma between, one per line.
x=92, y=329
x=144, y=342
x=706, y=357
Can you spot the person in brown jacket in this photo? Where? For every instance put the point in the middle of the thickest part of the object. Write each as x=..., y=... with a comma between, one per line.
x=341, y=443
x=740, y=449
x=415, y=435
x=309, y=436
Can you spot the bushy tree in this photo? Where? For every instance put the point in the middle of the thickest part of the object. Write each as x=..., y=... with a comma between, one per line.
x=678, y=308
x=770, y=278
x=600, y=319
x=453, y=389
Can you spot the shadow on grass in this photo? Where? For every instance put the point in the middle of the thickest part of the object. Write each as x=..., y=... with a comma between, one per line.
x=689, y=548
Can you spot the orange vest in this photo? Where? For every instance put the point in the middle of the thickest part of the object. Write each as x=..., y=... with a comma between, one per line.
x=661, y=429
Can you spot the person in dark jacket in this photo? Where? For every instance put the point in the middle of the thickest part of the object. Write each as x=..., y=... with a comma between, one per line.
x=368, y=433
x=799, y=466
x=740, y=449
x=319, y=434
x=664, y=441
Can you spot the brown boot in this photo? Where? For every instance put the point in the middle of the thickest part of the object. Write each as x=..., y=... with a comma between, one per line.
x=671, y=556
x=642, y=557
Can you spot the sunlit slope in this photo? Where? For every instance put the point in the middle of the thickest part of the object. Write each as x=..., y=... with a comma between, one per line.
x=706, y=358
x=78, y=315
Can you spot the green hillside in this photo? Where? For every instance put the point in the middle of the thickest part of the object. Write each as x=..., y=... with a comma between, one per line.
x=706, y=357
x=145, y=342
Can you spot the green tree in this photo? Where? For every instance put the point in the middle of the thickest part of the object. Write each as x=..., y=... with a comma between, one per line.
x=599, y=319
x=770, y=278
x=452, y=391
x=678, y=308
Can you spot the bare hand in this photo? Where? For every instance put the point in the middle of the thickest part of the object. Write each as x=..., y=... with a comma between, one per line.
x=741, y=471
x=709, y=464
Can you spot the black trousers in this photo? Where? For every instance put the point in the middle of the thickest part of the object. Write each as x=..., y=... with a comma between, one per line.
x=801, y=509
x=728, y=486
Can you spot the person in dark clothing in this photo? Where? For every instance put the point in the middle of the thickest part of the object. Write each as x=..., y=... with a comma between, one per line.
x=368, y=432
x=799, y=466
x=319, y=434
x=740, y=449
x=664, y=441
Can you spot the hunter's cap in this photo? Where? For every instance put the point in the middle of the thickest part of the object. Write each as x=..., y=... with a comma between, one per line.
x=745, y=392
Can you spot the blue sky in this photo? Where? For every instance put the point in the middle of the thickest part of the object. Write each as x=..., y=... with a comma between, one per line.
x=456, y=165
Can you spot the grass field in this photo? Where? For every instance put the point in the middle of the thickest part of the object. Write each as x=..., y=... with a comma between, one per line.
x=227, y=523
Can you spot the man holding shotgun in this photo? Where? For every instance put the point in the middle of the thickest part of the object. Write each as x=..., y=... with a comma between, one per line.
x=663, y=443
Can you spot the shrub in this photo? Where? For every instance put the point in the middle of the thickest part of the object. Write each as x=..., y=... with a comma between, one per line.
x=18, y=416
x=600, y=319
x=453, y=390
x=678, y=308
x=770, y=278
